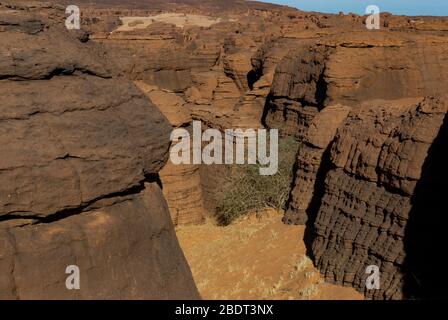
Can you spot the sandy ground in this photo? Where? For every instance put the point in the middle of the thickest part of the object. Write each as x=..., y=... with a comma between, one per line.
x=255, y=259
x=178, y=19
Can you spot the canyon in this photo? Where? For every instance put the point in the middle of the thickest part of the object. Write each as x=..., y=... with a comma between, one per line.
x=85, y=175
x=225, y=148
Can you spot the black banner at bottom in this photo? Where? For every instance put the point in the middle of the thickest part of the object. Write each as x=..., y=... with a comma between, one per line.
x=223, y=309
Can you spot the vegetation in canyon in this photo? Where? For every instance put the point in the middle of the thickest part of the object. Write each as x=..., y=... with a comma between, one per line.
x=248, y=191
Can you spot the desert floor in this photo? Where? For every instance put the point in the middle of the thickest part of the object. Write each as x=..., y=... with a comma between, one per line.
x=255, y=258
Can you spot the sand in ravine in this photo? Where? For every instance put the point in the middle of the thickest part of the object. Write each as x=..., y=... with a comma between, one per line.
x=255, y=258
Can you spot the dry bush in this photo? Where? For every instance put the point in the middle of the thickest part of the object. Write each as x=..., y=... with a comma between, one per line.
x=248, y=191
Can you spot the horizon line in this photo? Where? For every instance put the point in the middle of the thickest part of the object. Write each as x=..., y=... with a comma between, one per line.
x=415, y=8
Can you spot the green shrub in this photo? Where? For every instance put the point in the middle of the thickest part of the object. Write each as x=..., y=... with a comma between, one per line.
x=248, y=191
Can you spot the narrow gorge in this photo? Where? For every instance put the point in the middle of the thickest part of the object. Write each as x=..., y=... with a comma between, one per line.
x=86, y=179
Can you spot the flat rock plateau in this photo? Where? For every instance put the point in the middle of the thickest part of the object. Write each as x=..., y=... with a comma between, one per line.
x=85, y=176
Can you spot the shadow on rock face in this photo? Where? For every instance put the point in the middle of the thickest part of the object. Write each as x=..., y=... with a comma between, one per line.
x=252, y=77
x=316, y=201
x=425, y=235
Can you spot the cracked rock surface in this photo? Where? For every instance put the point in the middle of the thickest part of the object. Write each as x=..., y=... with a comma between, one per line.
x=80, y=156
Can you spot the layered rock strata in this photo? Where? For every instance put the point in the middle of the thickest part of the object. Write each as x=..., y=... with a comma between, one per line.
x=181, y=183
x=379, y=156
x=357, y=190
x=81, y=152
x=369, y=172
x=311, y=158
x=360, y=196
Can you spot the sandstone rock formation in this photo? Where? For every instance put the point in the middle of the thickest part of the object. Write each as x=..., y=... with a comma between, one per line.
x=181, y=183
x=357, y=191
x=376, y=161
x=352, y=68
x=81, y=152
x=318, y=77
x=368, y=107
x=312, y=153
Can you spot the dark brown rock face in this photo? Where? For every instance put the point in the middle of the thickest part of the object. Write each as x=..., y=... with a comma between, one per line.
x=297, y=91
x=359, y=193
x=68, y=141
x=81, y=152
x=314, y=148
x=377, y=160
x=125, y=248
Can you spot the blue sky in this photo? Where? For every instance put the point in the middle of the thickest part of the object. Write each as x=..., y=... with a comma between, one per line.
x=404, y=7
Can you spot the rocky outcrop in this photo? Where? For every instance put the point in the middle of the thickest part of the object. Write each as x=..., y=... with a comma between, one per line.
x=311, y=159
x=125, y=248
x=364, y=165
x=298, y=91
x=352, y=68
x=356, y=191
x=369, y=166
x=81, y=152
x=181, y=183
x=378, y=158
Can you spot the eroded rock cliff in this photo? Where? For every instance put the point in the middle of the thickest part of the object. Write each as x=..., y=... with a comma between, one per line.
x=377, y=159
x=81, y=152
x=353, y=97
x=362, y=159
x=368, y=107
